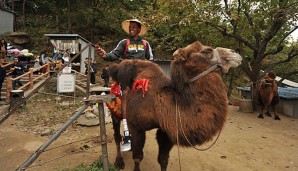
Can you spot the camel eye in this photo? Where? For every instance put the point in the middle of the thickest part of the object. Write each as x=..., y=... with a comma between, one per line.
x=232, y=51
x=206, y=52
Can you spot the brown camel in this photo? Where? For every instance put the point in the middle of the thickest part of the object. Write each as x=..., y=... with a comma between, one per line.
x=268, y=95
x=188, y=109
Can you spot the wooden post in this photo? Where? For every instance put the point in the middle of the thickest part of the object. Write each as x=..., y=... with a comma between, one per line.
x=103, y=136
x=31, y=78
x=88, y=72
x=48, y=67
x=8, y=88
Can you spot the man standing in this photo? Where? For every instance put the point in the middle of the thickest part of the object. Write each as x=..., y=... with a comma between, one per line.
x=105, y=76
x=2, y=74
x=3, y=48
x=93, y=74
x=133, y=47
x=93, y=70
x=17, y=70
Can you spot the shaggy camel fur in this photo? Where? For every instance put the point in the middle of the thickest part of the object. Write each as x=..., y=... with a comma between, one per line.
x=193, y=108
x=268, y=95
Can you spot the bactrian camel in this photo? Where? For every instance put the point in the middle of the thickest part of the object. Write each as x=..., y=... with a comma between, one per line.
x=192, y=104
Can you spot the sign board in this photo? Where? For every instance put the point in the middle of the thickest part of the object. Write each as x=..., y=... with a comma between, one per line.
x=66, y=70
x=66, y=83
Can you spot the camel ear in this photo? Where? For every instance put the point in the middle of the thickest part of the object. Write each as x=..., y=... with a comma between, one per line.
x=180, y=55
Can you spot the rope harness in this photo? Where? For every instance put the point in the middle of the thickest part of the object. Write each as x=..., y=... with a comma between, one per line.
x=213, y=67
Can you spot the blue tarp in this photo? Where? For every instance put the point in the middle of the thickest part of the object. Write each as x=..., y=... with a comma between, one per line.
x=244, y=88
x=288, y=93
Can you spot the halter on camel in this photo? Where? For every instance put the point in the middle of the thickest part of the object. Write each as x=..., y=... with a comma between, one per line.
x=213, y=67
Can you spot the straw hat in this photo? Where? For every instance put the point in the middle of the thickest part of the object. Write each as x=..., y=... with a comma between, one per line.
x=125, y=26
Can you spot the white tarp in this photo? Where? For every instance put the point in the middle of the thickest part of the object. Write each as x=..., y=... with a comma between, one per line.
x=287, y=82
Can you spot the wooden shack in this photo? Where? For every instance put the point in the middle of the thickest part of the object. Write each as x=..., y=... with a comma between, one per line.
x=7, y=20
x=74, y=43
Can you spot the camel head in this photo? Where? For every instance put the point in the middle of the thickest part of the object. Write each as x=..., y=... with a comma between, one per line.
x=268, y=80
x=265, y=83
x=198, y=53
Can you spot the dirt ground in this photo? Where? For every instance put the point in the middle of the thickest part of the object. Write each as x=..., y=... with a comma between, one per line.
x=246, y=143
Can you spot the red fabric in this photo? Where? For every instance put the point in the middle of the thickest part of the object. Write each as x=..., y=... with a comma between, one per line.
x=141, y=83
x=115, y=89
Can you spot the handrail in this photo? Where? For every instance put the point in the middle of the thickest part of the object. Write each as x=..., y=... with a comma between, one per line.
x=42, y=75
x=39, y=68
x=8, y=64
x=28, y=73
x=38, y=86
x=79, y=73
x=30, y=83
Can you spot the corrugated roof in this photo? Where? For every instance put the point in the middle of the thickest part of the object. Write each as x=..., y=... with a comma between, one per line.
x=287, y=82
x=68, y=36
x=7, y=10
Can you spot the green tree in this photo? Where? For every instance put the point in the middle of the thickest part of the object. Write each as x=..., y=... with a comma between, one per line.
x=260, y=27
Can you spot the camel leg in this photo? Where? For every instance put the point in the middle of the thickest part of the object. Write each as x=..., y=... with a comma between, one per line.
x=268, y=113
x=261, y=114
x=137, y=144
x=276, y=117
x=165, y=145
x=119, y=163
x=126, y=144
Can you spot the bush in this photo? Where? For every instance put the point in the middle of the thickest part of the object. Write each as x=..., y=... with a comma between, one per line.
x=97, y=165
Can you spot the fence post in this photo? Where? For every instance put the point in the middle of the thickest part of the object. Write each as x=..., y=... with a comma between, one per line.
x=48, y=67
x=8, y=88
x=31, y=78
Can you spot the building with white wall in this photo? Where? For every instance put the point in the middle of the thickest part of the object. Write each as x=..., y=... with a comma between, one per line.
x=7, y=19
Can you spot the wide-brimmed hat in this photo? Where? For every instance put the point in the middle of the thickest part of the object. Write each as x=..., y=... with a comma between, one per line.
x=125, y=26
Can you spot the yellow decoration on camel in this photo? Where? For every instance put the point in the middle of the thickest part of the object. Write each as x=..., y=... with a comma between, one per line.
x=115, y=105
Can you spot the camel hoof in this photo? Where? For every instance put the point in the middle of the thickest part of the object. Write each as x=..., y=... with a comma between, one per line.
x=136, y=169
x=119, y=163
x=277, y=118
x=261, y=116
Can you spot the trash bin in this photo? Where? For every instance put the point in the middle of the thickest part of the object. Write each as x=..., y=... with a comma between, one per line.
x=16, y=98
x=16, y=94
x=245, y=105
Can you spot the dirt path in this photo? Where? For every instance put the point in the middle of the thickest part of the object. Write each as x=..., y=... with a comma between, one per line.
x=246, y=143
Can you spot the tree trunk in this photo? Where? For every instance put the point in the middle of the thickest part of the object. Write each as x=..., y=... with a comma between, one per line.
x=14, y=18
x=57, y=20
x=92, y=26
x=69, y=30
x=24, y=14
x=94, y=5
x=12, y=5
